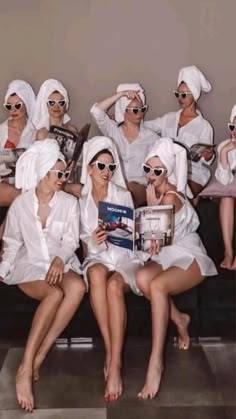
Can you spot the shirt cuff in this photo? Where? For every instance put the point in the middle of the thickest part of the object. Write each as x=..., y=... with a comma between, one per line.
x=4, y=269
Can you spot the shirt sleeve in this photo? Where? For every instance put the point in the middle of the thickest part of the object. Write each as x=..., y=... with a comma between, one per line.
x=106, y=125
x=207, y=137
x=70, y=240
x=155, y=125
x=12, y=241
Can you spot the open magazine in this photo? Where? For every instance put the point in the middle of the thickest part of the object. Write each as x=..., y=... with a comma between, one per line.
x=8, y=159
x=71, y=145
x=136, y=229
x=194, y=152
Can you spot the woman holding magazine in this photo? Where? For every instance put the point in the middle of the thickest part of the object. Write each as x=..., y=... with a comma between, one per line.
x=109, y=270
x=40, y=238
x=188, y=127
x=175, y=268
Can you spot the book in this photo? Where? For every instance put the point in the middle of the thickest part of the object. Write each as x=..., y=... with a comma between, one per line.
x=194, y=152
x=136, y=229
x=8, y=159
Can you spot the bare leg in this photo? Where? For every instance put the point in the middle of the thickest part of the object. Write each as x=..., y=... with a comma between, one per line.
x=196, y=188
x=117, y=324
x=73, y=288
x=7, y=193
x=98, y=275
x=138, y=193
x=181, y=320
x=227, y=227
x=172, y=281
x=50, y=300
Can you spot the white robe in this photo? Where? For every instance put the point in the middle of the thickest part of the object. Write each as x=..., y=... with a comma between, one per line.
x=226, y=176
x=27, y=136
x=132, y=155
x=28, y=248
x=196, y=131
x=115, y=258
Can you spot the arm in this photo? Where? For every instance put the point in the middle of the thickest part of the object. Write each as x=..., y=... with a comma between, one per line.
x=207, y=156
x=223, y=172
x=155, y=125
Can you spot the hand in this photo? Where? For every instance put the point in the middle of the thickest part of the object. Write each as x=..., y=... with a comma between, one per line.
x=99, y=235
x=231, y=145
x=42, y=133
x=55, y=272
x=131, y=94
x=154, y=247
x=207, y=153
x=151, y=196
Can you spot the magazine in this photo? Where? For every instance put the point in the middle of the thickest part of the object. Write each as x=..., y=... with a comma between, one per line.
x=194, y=152
x=8, y=159
x=136, y=229
x=71, y=145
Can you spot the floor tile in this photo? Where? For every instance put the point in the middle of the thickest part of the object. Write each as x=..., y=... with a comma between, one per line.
x=3, y=353
x=222, y=360
x=55, y=414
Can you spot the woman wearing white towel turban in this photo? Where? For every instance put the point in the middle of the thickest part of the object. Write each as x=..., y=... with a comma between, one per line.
x=109, y=270
x=40, y=238
x=187, y=126
x=226, y=175
x=132, y=139
x=174, y=268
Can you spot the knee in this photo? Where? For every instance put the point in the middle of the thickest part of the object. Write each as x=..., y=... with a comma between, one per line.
x=75, y=288
x=141, y=281
x=56, y=293
x=115, y=287
x=157, y=287
x=96, y=274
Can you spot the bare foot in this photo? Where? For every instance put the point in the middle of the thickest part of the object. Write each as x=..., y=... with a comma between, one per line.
x=227, y=261
x=24, y=390
x=153, y=382
x=114, y=387
x=233, y=266
x=37, y=364
x=183, y=339
x=106, y=366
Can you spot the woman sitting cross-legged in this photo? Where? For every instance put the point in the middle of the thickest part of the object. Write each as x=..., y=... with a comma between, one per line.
x=175, y=268
x=40, y=238
x=109, y=270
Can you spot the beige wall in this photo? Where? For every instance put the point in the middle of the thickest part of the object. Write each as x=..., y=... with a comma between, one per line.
x=93, y=45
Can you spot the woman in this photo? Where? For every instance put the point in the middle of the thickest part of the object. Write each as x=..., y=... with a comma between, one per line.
x=132, y=139
x=41, y=236
x=108, y=270
x=174, y=268
x=225, y=174
x=188, y=126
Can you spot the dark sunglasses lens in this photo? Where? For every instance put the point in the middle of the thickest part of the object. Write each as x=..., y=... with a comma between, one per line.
x=61, y=103
x=146, y=169
x=101, y=166
x=66, y=174
x=158, y=172
x=8, y=106
x=176, y=95
x=143, y=109
x=51, y=103
x=231, y=127
x=60, y=174
x=183, y=95
x=112, y=167
x=18, y=106
x=135, y=111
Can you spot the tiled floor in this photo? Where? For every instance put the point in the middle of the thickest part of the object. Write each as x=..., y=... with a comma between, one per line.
x=197, y=384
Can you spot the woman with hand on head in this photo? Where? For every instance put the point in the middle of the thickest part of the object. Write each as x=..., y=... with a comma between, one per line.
x=40, y=238
x=132, y=139
x=188, y=126
x=109, y=270
x=175, y=268
x=226, y=175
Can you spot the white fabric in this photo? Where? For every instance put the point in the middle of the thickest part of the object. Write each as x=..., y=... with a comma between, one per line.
x=195, y=80
x=28, y=248
x=233, y=114
x=41, y=115
x=25, y=92
x=35, y=163
x=186, y=245
x=90, y=149
x=133, y=154
x=225, y=176
x=196, y=131
x=114, y=258
x=26, y=139
x=123, y=102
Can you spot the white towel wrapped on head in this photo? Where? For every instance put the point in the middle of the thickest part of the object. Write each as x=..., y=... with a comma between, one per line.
x=90, y=149
x=41, y=115
x=195, y=80
x=22, y=89
x=35, y=162
x=233, y=114
x=123, y=102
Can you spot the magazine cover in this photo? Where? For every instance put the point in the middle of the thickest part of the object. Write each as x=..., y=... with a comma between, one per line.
x=194, y=152
x=153, y=223
x=8, y=159
x=118, y=221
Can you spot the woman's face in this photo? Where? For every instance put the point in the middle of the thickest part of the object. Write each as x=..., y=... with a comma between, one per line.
x=130, y=116
x=189, y=100
x=15, y=113
x=56, y=111
x=155, y=162
x=233, y=133
x=51, y=178
x=101, y=177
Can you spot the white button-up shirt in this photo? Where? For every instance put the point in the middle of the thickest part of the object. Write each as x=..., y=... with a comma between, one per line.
x=226, y=176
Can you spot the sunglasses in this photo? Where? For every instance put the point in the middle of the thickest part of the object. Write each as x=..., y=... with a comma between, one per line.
x=232, y=127
x=136, y=110
x=105, y=166
x=183, y=95
x=61, y=173
x=13, y=106
x=156, y=171
x=53, y=103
